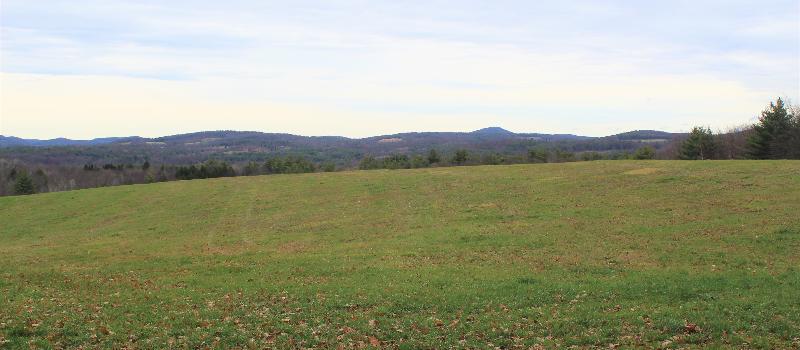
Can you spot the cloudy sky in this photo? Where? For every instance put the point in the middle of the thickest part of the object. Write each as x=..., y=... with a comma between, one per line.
x=84, y=69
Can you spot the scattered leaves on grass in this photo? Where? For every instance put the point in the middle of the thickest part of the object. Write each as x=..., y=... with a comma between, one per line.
x=691, y=328
x=374, y=341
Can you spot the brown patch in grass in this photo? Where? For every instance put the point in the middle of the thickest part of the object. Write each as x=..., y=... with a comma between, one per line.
x=294, y=247
x=642, y=171
x=637, y=258
x=487, y=205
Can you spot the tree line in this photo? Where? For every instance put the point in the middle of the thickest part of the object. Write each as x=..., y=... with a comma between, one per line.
x=463, y=157
x=775, y=136
x=19, y=179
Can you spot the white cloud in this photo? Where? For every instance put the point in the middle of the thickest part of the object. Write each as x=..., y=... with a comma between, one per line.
x=359, y=69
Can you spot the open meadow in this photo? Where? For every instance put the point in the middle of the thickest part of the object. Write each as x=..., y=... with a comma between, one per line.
x=601, y=254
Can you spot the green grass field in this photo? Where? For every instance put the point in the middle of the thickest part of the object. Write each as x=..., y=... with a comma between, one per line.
x=591, y=254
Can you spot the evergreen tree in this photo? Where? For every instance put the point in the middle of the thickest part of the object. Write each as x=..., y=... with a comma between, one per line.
x=298, y=164
x=646, y=152
x=794, y=139
x=493, y=159
x=252, y=168
x=460, y=157
x=538, y=155
x=564, y=156
x=275, y=166
x=699, y=145
x=590, y=156
x=773, y=137
x=369, y=163
x=418, y=161
x=433, y=157
x=24, y=184
x=396, y=161
x=214, y=168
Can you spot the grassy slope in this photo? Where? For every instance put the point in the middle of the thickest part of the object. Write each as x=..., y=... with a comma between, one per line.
x=587, y=254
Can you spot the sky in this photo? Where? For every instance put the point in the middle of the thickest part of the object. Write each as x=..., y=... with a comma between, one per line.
x=98, y=68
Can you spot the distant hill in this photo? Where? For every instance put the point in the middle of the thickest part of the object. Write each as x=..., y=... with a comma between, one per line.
x=10, y=141
x=645, y=135
x=243, y=146
x=494, y=130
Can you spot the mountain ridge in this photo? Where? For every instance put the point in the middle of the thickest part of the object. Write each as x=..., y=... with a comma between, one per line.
x=239, y=147
x=494, y=132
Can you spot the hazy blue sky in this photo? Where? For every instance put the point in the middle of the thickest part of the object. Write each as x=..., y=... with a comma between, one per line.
x=85, y=69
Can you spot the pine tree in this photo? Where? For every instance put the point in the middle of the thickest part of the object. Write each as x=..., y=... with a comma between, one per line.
x=646, y=152
x=24, y=184
x=794, y=139
x=433, y=157
x=418, y=161
x=460, y=157
x=369, y=163
x=699, y=145
x=772, y=136
x=537, y=155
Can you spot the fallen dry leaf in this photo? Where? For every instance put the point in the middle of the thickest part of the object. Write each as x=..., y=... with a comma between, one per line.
x=691, y=328
x=374, y=341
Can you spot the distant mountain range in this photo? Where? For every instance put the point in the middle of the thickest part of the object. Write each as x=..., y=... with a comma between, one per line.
x=239, y=146
x=494, y=132
x=11, y=141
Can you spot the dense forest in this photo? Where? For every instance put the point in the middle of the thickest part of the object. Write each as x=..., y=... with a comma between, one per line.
x=32, y=166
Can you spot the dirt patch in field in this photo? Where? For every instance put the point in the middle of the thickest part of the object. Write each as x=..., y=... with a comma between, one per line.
x=294, y=247
x=484, y=205
x=642, y=171
x=229, y=249
x=637, y=258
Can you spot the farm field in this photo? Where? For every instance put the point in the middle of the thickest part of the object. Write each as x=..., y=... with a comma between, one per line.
x=628, y=254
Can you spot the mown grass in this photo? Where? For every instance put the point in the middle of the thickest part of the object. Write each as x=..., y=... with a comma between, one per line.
x=593, y=254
